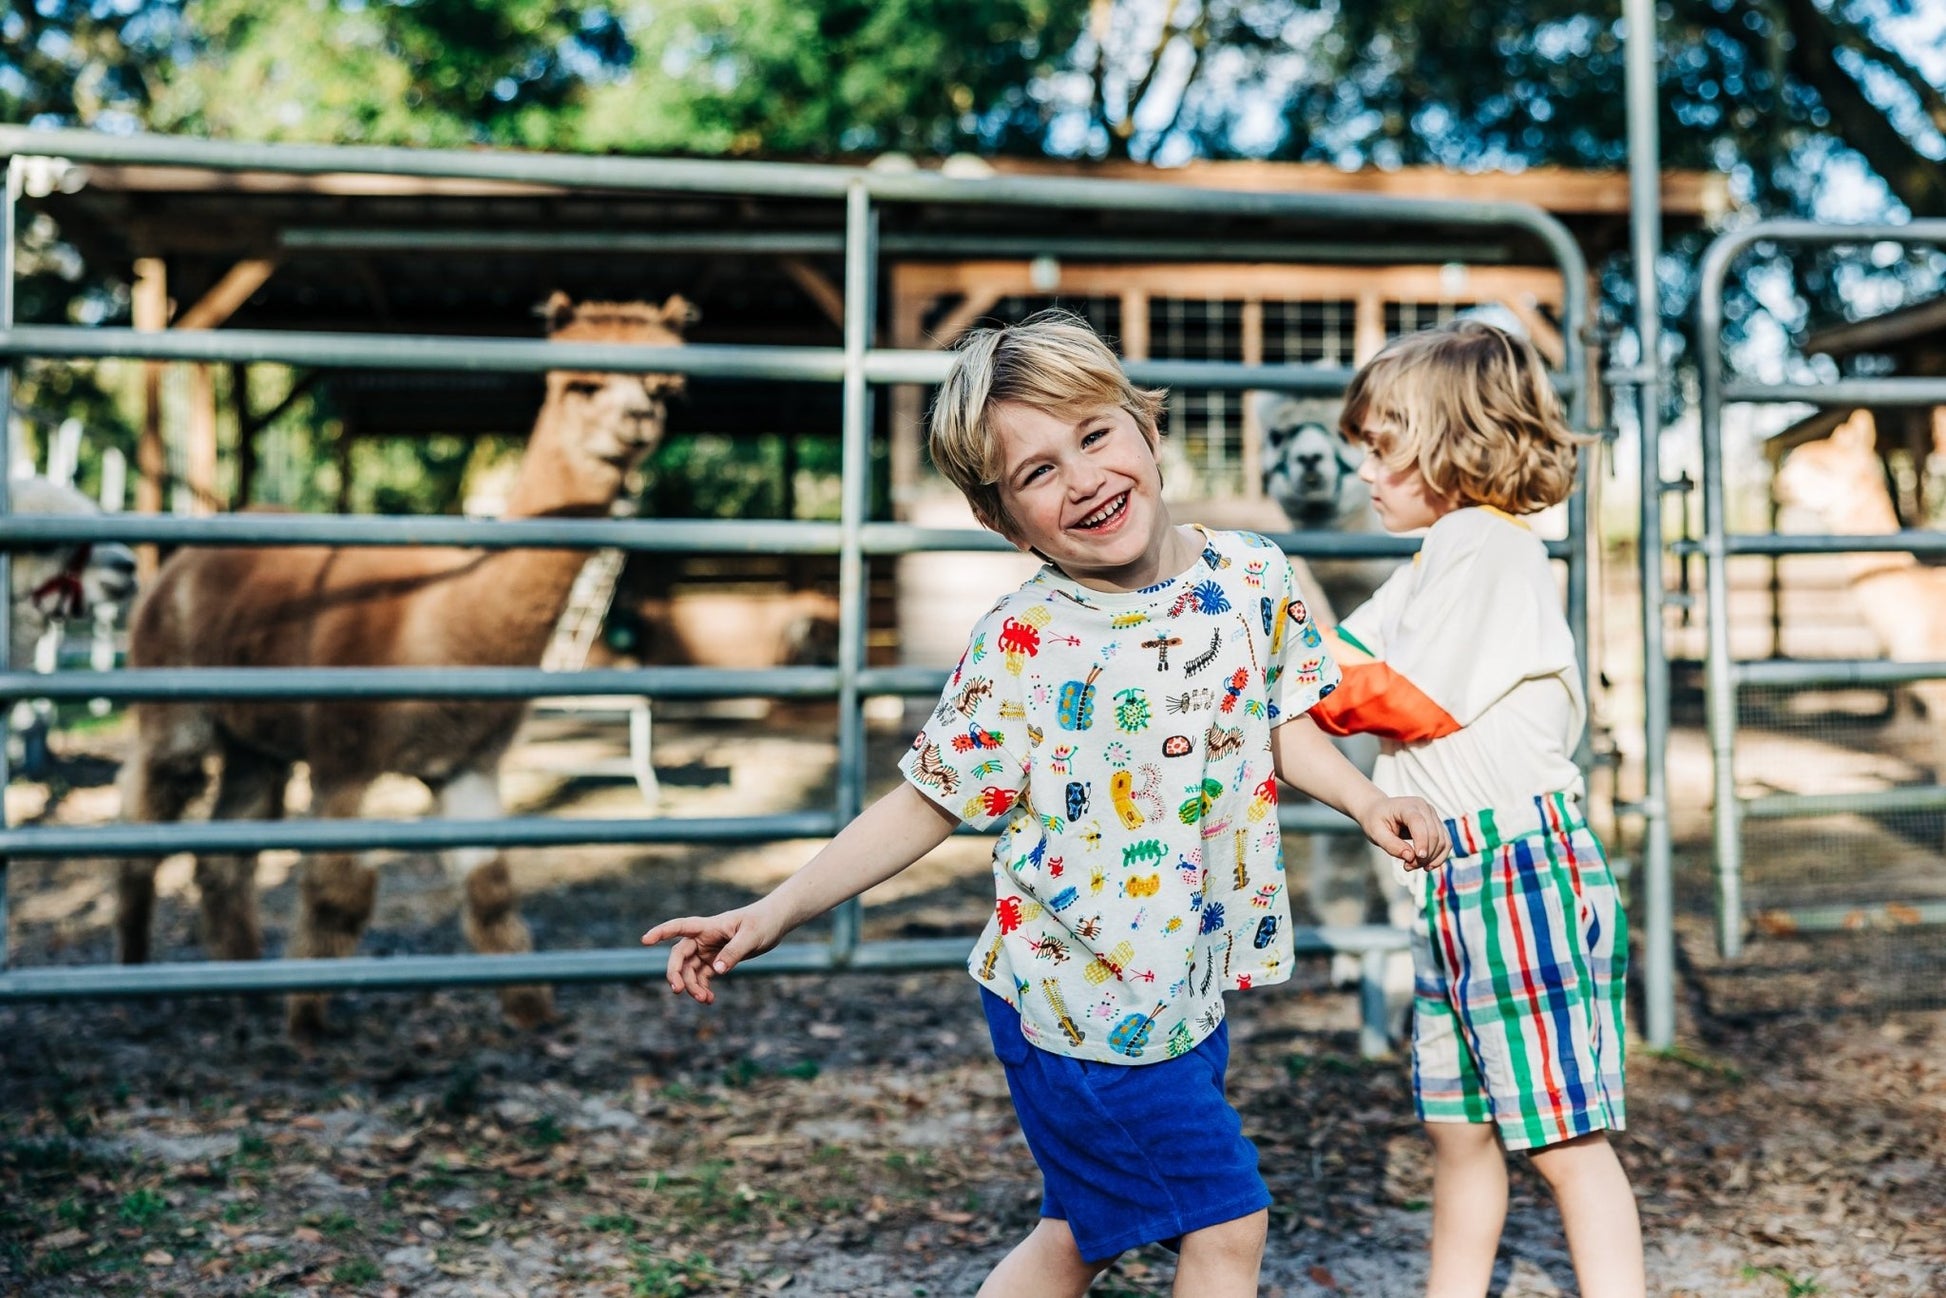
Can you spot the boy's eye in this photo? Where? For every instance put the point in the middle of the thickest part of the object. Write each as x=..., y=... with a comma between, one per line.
x=1090, y=438
x=1032, y=474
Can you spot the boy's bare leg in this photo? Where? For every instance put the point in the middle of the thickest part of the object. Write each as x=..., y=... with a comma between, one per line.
x=1469, y=1207
x=1222, y=1260
x=1598, y=1213
x=1047, y=1264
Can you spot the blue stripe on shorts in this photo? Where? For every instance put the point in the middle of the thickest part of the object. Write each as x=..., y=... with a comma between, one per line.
x=1130, y=1154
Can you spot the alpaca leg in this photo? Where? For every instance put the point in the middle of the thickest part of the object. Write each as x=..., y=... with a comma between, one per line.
x=336, y=891
x=162, y=777
x=490, y=911
x=251, y=787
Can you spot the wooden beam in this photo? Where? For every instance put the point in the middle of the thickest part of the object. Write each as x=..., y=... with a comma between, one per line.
x=1564, y=191
x=818, y=287
x=1135, y=324
x=1546, y=338
x=150, y=308
x=200, y=477
x=1245, y=281
x=227, y=294
x=978, y=302
x=1368, y=326
x=1253, y=429
x=905, y=466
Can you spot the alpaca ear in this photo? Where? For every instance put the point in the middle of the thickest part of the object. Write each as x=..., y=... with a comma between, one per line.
x=678, y=312
x=556, y=311
x=1860, y=432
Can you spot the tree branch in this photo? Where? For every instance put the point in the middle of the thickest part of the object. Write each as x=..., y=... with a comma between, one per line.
x=1931, y=101
x=1916, y=180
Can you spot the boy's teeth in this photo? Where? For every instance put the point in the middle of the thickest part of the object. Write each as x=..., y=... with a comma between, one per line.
x=1103, y=514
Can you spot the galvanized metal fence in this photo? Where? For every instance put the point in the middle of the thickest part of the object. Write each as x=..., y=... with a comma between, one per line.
x=1726, y=677
x=855, y=539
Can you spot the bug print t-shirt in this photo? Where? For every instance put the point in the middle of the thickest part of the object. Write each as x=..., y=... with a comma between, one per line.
x=1122, y=743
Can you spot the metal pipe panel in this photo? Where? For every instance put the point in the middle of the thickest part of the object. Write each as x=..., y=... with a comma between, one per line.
x=646, y=535
x=244, y=836
x=374, y=683
x=1781, y=673
x=421, y=352
x=1787, y=806
x=1645, y=250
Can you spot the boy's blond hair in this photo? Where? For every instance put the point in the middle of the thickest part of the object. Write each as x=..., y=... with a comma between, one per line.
x=1052, y=361
x=1472, y=406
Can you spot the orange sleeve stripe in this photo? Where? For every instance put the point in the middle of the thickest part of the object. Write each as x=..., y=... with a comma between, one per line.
x=1373, y=699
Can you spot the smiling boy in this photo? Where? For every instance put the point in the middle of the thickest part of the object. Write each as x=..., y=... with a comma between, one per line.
x=1122, y=718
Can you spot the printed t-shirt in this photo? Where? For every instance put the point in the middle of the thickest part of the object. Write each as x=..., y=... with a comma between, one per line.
x=1122, y=742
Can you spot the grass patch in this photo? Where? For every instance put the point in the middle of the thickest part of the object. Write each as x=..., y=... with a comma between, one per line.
x=356, y=1271
x=143, y=1207
x=660, y=1276
x=1698, y=1062
x=1795, y=1286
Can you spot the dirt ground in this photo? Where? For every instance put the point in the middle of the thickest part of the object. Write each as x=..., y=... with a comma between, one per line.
x=851, y=1135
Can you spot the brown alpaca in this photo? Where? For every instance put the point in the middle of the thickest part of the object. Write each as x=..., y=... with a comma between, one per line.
x=366, y=607
x=1841, y=481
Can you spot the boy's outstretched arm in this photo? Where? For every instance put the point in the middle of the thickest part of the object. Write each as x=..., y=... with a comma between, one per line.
x=1407, y=828
x=886, y=837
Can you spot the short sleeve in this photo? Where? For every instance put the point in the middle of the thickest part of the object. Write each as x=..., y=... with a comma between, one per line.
x=1301, y=671
x=1364, y=627
x=971, y=756
x=1484, y=617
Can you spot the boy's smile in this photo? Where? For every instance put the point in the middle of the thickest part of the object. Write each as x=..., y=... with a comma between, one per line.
x=1084, y=492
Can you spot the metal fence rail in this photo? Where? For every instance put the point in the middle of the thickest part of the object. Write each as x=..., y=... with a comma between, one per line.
x=858, y=366
x=1724, y=675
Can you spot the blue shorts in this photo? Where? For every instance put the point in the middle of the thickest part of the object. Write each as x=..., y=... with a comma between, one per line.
x=1130, y=1154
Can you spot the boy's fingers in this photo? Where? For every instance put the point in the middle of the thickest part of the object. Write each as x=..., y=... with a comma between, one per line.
x=736, y=950
x=687, y=926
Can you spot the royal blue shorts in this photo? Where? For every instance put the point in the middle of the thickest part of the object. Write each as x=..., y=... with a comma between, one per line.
x=1130, y=1154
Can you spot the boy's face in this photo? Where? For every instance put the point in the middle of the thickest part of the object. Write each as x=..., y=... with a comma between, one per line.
x=1401, y=497
x=1085, y=492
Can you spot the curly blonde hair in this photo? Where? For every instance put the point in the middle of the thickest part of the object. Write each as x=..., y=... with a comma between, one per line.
x=1052, y=361
x=1472, y=407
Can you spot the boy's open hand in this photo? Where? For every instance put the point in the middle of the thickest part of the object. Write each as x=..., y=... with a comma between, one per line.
x=1409, y=830
x=708, y=945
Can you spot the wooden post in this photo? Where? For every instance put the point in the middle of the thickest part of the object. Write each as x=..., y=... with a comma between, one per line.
x=1135, y=325
x=1253, y=431
x=907, y=407
x=1368, y=326
x=201, y=467
x=150, y=308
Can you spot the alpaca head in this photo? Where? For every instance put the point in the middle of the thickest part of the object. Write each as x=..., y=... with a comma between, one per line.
x=1309, y=471
x=607, y=422
x=55, y=582
x=1839, y=480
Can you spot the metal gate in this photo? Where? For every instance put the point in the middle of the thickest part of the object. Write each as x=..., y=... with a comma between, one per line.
x=858, y=366
x=1727, y=677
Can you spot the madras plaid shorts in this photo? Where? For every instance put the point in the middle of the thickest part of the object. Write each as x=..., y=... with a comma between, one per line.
x=1519, y=960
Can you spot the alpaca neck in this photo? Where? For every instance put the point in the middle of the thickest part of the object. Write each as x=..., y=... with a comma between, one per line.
x=523, y=591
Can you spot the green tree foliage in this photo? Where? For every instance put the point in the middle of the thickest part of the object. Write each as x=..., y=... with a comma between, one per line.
x=815, y=78
x=436, y=73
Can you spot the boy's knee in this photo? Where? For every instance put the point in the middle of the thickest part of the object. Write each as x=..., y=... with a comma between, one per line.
x=1241, y=1238
x=1571, y=1158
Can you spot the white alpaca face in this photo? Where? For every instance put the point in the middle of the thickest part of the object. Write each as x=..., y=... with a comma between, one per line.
x=51, y=583
x=618, y=418
x=1310, y=472
x=614, y=419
